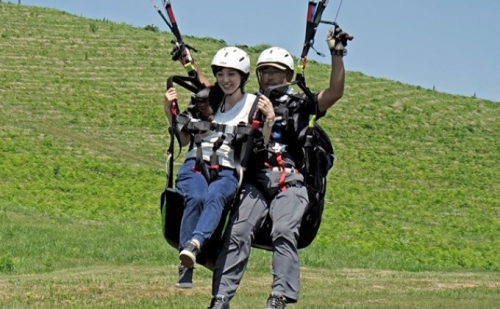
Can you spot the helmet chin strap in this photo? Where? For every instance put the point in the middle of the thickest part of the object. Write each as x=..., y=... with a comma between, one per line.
x=240, y=86
x=223, y=105
x=228, y=95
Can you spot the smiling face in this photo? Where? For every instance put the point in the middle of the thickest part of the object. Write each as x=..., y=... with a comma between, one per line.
x=228, y=79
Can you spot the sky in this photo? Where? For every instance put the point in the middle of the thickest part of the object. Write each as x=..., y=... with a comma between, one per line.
x=452, y=46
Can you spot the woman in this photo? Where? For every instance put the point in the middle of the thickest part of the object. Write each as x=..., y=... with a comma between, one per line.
x=205, y=199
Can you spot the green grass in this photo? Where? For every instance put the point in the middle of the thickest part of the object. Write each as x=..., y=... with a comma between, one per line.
x=412, y=213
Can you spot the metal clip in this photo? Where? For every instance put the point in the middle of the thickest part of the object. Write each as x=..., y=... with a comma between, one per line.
x=277, y=147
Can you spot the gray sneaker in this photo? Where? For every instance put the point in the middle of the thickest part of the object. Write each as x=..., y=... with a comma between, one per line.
x=188, y=254
x=185, y=280
x=219, y=302
x=276, y=302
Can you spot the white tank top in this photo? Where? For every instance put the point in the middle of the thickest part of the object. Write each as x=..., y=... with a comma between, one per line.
x=234, y=116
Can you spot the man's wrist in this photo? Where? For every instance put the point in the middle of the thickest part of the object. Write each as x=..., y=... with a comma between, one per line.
x=337, y=52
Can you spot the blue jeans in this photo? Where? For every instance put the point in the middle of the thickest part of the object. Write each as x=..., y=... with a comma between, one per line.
x=203, y=202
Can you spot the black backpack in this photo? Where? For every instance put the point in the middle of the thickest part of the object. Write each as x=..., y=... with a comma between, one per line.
x=319, y=158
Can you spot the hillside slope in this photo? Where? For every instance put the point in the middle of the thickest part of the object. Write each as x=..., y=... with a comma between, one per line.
x=83, y=135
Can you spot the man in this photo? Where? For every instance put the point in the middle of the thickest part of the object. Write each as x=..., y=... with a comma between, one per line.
x=276, y=190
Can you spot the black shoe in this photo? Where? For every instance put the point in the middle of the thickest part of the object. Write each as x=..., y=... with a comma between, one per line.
x=188, y=254
x=276, y=302
x=185, y=280
x=219, y=302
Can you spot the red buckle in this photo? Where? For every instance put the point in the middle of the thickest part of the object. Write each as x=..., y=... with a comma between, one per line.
x=281, y=165
x=173, y=108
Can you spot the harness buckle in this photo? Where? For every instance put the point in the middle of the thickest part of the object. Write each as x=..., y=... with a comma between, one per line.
x=277, y=147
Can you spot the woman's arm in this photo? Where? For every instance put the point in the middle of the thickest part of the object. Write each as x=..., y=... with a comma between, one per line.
x=171, y=96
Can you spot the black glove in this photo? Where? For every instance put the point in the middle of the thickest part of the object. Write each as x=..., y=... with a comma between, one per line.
x=181, y=52
x=337, y=40
x=176, y=51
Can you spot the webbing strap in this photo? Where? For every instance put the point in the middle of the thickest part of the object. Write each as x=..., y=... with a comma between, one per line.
x=192, y=84
x=214, y=159
x=191, y=125
x=281, y=165
x=210, y=172
x=200, y=165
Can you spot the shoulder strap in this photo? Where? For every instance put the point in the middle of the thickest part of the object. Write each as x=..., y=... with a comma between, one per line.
x=194, y=85
x=254, y=119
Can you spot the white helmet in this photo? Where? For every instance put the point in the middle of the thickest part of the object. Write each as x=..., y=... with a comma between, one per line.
x=233, y=58
x=276, y=57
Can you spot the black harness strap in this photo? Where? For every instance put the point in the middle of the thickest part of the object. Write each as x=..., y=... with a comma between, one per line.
x=192, y=84
x=210, y=171
x=252, y=133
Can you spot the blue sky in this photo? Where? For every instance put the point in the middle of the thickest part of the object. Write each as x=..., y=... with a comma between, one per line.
x=450, y=45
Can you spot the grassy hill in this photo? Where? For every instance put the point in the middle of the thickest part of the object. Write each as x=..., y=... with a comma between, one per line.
x=82, y=139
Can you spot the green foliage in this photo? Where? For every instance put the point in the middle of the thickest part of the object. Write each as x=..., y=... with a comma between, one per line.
x=152, y=28
x=93, y=27
x=258, y=48
x=208, y=39
x=34, y=243
x=83, y=136
x=6, y=264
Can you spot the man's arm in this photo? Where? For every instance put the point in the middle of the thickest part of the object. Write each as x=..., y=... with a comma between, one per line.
x=334, y=92
x=337, y=41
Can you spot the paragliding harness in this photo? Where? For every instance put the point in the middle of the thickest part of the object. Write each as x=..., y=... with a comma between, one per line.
x=317, y=159
x=171, y=202
x=317, y=149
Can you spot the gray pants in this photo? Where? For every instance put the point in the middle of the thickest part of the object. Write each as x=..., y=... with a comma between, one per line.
x=286, y=210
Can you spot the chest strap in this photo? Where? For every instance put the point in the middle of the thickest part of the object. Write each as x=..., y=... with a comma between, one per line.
x=193, y=126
